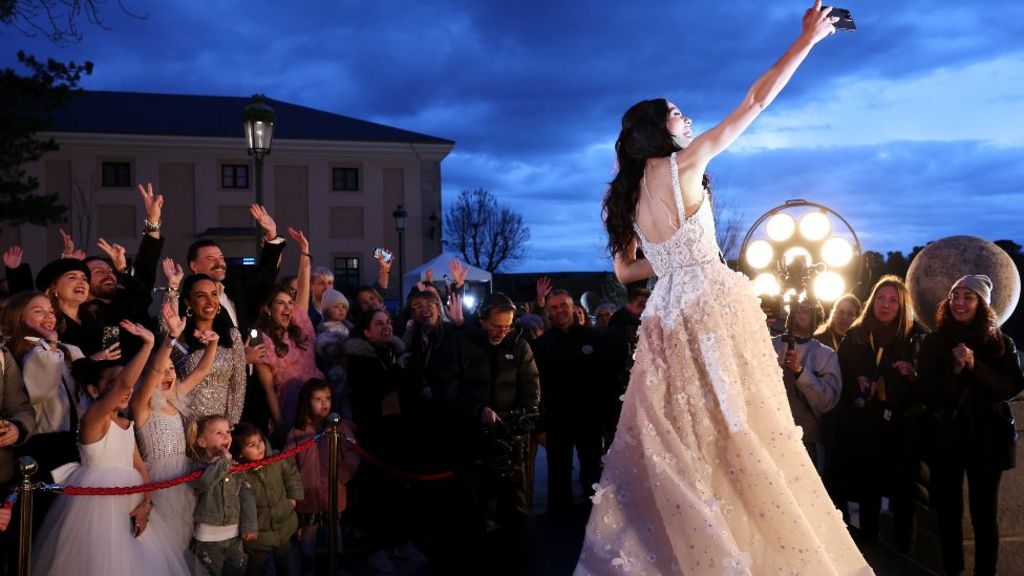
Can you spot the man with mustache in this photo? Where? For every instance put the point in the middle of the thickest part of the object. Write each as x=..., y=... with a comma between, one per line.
x=240, y=296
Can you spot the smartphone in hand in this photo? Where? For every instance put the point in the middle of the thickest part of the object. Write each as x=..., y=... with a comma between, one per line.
x=845, y=19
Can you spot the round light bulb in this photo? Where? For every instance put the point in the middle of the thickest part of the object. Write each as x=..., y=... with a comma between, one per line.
x=815, y=226
x=780, y=227
x=766, y=283
x=797, y=252
x=837, y=252
x=829, y=286
x=759, y=254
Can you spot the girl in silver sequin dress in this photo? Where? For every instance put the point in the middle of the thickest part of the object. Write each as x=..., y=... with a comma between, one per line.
x=158, y=408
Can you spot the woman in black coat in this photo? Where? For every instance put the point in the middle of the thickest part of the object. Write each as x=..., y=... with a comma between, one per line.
x=968, y=371
x=876, y=412
x=382, y=406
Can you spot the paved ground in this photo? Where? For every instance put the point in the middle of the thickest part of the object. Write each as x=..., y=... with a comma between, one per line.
x=557, y=540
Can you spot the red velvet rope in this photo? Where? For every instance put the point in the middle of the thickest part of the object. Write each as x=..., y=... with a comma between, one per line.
x=393, y=470
x=150, y=487
x=122, y=490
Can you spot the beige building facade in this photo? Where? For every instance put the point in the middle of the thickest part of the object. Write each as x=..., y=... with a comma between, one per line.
x=338, y=179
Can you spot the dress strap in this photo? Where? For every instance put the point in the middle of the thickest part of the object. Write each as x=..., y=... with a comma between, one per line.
x=677, y=189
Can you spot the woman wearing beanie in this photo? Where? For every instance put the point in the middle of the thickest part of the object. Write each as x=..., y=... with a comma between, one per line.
x=968, y=371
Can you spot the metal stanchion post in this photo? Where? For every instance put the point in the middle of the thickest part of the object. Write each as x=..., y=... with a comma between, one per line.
x=333, y=421
x=28, y=466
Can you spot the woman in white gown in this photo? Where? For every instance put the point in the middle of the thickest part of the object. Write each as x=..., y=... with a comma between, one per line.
x=107, y=535
x=707, y=473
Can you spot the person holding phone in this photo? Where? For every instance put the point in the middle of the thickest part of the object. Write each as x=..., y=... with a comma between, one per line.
x=707, y=472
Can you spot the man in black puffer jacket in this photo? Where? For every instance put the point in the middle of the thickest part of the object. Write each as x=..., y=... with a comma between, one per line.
x=487, y=382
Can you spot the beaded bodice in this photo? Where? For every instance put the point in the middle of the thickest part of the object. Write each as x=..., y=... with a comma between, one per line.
x=693, y=243
x=161, y=436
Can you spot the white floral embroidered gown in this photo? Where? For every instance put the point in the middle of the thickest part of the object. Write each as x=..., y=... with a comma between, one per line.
x=707, y=473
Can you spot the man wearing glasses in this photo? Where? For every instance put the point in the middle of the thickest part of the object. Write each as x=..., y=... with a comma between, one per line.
x=487, y=381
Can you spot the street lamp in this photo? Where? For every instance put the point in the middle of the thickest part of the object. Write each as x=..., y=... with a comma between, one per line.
x=804, y=250
x=400, y=214
x=258, y=122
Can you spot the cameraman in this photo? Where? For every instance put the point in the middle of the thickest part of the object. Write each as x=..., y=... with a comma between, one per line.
x=487, y=382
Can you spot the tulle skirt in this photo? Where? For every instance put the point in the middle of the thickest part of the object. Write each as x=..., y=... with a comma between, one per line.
x=92, y=535
x=176, y=505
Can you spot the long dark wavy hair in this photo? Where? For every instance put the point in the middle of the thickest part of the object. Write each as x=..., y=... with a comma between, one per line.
x=221, y=322
x=644, y=135
x=266, y=325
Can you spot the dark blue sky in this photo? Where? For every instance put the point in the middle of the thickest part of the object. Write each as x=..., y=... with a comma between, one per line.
x=910, y=127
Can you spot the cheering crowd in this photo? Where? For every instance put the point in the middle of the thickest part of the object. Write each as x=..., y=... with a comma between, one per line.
x=451, y=409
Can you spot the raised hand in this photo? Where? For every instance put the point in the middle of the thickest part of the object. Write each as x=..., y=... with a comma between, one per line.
x=111, y=353
x=265, y=220
x=173, y=273
x=454, y=310
x=69, y=251
x=137, y=330
x=12, y=256
x=175, y=324
x=154, y=203
x=115, y=252
x=818, y=23
x=543, y=287
x=385, y=266
x=458, y=271
x=299, y=239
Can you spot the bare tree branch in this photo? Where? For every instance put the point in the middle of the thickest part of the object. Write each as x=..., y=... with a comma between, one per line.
x=56, y=20
x=485, y=234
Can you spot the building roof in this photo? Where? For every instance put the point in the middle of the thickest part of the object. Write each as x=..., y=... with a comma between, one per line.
x=103, y=112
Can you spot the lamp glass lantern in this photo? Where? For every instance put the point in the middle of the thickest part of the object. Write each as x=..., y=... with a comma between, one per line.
x=258, y=122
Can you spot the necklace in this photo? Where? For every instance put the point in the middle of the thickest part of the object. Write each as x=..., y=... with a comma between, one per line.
x=669, y=212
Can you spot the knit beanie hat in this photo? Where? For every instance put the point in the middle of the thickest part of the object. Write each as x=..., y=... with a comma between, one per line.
x=977, y=283
x=332, y=297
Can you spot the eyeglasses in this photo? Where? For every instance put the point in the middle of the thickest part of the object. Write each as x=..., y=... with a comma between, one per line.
x=498, y=329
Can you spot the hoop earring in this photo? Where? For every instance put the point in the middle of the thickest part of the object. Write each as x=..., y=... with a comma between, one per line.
x=188, y=312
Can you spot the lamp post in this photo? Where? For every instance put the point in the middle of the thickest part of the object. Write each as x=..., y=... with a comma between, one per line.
x=258, y=121
x=817, y=259
x=400, y=214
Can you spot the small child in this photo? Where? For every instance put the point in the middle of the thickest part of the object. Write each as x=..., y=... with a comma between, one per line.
x=314, y=406
x=225, y=512
x=331, y=335
x=276, y=488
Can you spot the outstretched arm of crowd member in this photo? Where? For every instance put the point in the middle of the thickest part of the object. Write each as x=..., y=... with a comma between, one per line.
x=258, y=280
x=116, y=253
x=158, y=363
x=69, y=250
x=458, y=274
x=19, y=273
x=305, y=268
x=454, y=310
x=96, y=419
x=208, y=338
x=152, y=244
x=383, y=273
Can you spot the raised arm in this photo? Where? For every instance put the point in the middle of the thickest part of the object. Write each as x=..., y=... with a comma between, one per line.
x=305, y=266
x=817, y=24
